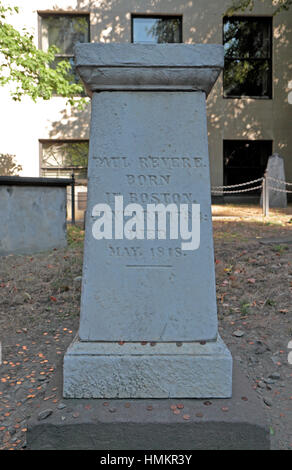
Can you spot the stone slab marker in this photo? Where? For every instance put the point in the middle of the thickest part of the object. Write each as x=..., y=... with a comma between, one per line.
x=276, y=169
x=148, y=144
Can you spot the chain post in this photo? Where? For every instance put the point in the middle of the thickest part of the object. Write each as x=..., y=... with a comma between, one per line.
x=73, y=198
x=264, y=196
x=266, y=191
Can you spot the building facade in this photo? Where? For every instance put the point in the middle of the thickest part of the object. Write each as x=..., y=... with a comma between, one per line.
x=249, y=115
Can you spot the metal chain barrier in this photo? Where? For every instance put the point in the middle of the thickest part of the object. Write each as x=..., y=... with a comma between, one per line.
x=237, y=185
x=280, y=190
x=222, y=189
x=278, y=180
x=266, y=188
x=237, y=191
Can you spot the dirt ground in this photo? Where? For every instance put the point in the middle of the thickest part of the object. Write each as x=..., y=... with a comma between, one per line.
x=39, y=310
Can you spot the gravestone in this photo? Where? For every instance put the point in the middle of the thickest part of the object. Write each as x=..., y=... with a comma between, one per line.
x=148, y=324
x=276, y=172
x=32, y=214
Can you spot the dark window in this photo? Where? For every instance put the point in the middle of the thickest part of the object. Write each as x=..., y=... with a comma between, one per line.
x=248, y=57
x=60, y=158
x=156, y=29
x=64, y=31
x=245, y=160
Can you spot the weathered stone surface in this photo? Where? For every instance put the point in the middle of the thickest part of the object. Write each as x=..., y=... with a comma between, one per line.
x=171, y=67
x=132, y=370
x=148, y=290
x=276, y=170
x=45, y=414
x=152, y=424
x=150, y=147
x=33, y=219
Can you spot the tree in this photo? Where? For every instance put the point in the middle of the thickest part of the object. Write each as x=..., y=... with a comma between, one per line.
x=8, y=166
x=242, y=5
x=29, y=70
x=166, y=31
x=247, y=57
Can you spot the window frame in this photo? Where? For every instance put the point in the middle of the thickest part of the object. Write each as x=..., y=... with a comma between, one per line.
x=167, y=16
x=266, y=18
x=60, y=141
x=45, y=13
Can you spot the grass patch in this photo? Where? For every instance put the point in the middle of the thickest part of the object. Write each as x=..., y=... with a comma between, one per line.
x=229, y=236
x=75, y=236
x=270, y=303
x=279, y=248
x=244, y=307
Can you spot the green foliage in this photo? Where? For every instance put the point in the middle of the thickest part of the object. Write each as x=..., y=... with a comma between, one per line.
x=75, y=235
x=243, y=5
x=65, y=157
x=270, y=303
x=280, y=248
x=244, y=307
x=247, y=49
x=64, y=154
x=8, y=167
x=28, y=69
x=166, y=31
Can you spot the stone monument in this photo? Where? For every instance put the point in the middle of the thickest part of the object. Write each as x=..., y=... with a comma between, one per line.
x=32, y=214
x=276, y=171
x=148, y=326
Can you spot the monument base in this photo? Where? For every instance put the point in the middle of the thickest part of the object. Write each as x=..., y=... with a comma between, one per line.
x=152, y=370
x=236, y=423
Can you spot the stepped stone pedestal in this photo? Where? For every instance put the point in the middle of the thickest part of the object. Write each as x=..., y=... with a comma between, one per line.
x=148, y=326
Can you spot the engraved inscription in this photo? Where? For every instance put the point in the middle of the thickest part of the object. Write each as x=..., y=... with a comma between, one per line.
x=111, y=162
x=151, y=180
x=150, y=162
x=139, y=251
x=132, y=251
x=154, y=198
x=146, y=172
x=171, y=162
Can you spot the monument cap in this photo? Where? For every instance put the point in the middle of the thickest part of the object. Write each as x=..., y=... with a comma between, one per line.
x=161, y=67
